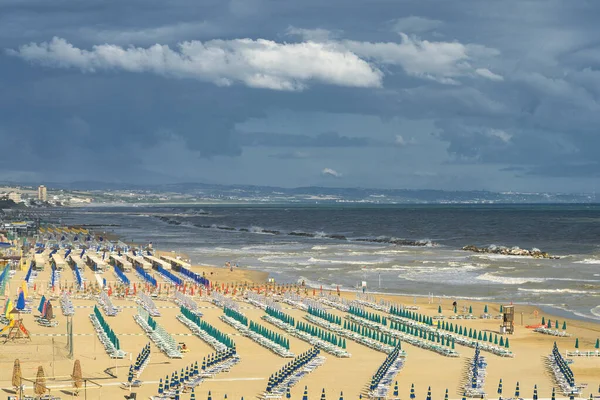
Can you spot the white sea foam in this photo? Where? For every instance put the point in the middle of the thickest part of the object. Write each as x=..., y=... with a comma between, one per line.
x=319, y=248
x=588, y=261
x=596, y=311
x=569, y=291
x=506, y=280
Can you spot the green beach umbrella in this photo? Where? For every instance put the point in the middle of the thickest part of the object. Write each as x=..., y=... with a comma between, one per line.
x=501, y=308
x=470, y=310
x=577, y=343
x=564, y=325
x=543, y=321
x=598, y=347
x=549, y=324
x=485, y=309
x=440, y=309
x=556, y=324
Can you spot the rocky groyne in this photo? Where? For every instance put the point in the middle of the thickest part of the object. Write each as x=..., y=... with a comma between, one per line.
x=510, y=251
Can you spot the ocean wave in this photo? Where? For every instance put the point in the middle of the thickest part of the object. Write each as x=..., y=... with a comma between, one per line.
x=588, y=261
x=569, y=291
x=596, y=311
x=506, y=280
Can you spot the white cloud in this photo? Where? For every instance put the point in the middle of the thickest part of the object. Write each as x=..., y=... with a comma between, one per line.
x=439, y=61
x=256, y=63
x=486, y=73
x=400, y=141
x=414, y=24
x=499, y=134
x=331, y=173
x=268, y=64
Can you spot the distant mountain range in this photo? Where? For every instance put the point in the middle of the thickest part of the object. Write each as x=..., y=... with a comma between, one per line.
x=266, y=194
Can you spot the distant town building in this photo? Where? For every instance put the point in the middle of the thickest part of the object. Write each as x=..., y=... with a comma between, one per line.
x=42, y=193
x=14, y=196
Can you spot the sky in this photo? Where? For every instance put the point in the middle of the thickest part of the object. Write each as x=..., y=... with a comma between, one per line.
x=460, y=95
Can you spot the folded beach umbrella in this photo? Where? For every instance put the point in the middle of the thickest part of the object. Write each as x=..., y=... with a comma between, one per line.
x=412, y=391
x=535, y=393
x=177, y=395
x=500, y=387
x=288, y=394
x=193, y=395
x=305, y=395
x=209, y=396
x=553, y=393
x=446, y=395
x=429, y=393
x=160, y=387
x=396, y=389
x=167, y=382
x=21, y=301
x=130, y=374
x=323, y=394
x=464, y=396
x=517, y=390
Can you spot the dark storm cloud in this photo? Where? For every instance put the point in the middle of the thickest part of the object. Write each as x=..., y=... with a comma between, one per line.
x=512, y=86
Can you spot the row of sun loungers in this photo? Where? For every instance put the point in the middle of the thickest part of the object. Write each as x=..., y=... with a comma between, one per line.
x=106, y=335
x=577, y=353
x=292, y=373
x=313, y=340
x=202, y=334
x=383, y=378
x=299, y=302
x=370, y=301
x=413, y=340
x=476, y=376
x=257, y=337
x=459, y=339
x=552, y=332
x=562, y=373
x=186, y=301
x=339, y=330
x=66, y=304
x=335, y=302
x=148, y=304
x=107, y=305
x=163, y=340
x=260, y=301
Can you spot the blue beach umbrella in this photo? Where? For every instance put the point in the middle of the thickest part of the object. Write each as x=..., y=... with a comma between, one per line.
x=323, y=394
x=429, y=393
x=341, y=395
x=446, y=395
x=193, y=395
x=305, y=395
x=160, y=387
x=130, y=374
x=288, y=394
x=396, y=389
x=517, y=390
x=535, y=393
x=500, y=387
x=553, y=393
x=209, y=396
x=21, y=301
x=177, y=395
x=464, y=396
x=412, y=391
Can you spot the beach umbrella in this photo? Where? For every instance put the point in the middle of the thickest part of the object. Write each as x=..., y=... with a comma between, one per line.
x=535, y=393
x=440, y=309
x=305, y=395
x=543, y=321
x=21, y=301
x=553, y=393
x=177, y=394
x=470, y=310
x=429, y=393
x=288, y=394
x=446, y=395
x=598, y=347
x=412, y=391
x=40, y=382
x=160, y=387
x=396, y=389
x=193, y=395
x=167, y=386
x=209, y=396
x=485, y=309
x=577, y=343
x=17, y=375
x=501, y=308
x=517, y=390
x=500, y=387
x=464, y=396
x=323, y=394
x=341, y=395
x=572, y=396
x=564, y=325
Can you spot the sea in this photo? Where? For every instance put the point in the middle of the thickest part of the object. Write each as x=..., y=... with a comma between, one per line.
x=399, y=249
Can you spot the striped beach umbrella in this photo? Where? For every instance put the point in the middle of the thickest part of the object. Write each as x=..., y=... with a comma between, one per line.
x=517, y=391
x=177, y=395
x=535, y=393
x=130, y=374
x=572, y=396
x=396, y=389
x=305, y=395
x=167, y=382
x=500, y=387
x=341, y=395
x=193, y=395
x=553, y=393
x=412, y=391
x=464, y=396
x=323, y=394
x=160, y=387
x=209, y=396
x=288, y=394
x=446, y=395
x=429, y=393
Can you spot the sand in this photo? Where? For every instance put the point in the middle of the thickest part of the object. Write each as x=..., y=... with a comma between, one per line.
x=249, y=377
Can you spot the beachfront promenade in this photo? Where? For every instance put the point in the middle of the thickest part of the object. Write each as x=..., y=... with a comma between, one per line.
x=354, y=342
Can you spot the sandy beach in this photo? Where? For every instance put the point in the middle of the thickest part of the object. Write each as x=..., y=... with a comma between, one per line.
x=248, y=379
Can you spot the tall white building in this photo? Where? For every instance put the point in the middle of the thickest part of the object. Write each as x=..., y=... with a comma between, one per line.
x=42, y=193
